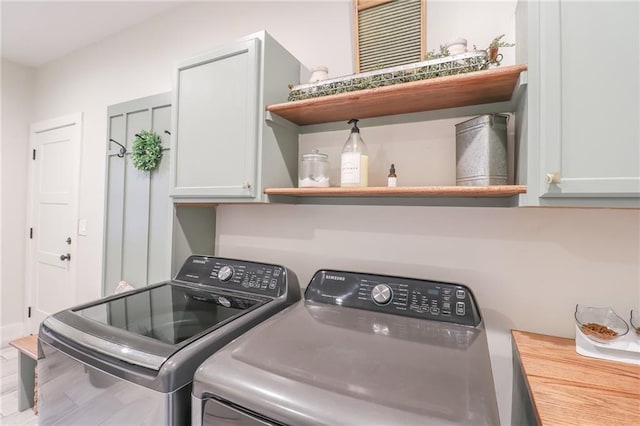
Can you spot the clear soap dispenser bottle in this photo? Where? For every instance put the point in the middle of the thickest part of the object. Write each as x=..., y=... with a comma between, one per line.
x=354, y=164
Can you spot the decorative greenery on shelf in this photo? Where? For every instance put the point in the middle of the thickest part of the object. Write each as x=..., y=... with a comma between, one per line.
x=444, y=52
x=494, y=57
x=474, y=61
x=147, y=151
x=497, y=42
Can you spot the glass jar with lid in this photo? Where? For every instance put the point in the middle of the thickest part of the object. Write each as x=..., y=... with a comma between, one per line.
x=314, y=170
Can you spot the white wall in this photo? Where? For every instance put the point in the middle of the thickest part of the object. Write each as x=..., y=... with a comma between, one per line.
x=17, y=109
x=528, y=267
x=138, y=62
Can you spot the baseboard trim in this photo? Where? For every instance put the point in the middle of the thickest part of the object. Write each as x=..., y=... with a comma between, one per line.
x=11, y=332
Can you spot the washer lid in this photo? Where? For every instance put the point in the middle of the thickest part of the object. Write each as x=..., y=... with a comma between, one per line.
x=147, y=326
x=368, y=367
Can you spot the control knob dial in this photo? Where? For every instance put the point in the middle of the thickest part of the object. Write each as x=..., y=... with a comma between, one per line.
x=225, y=273
x=381, y=294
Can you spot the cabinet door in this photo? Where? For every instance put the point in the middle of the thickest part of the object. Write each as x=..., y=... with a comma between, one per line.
x=215, y=123
x=589, y=100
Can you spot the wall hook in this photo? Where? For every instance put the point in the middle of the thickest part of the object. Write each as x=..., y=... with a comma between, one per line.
x=123, y=150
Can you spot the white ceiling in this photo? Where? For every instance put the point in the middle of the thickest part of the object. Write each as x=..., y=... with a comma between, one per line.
x=34, y=33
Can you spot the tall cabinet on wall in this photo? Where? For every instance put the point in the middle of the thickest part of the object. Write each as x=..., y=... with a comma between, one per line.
x=579, y=122
x=223, y=149
x=137, y=205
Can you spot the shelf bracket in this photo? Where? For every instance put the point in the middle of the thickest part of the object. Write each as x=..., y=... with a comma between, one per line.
x=276, y=120
x=519, y=89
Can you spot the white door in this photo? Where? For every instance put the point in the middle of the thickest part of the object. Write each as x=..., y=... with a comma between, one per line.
x=54, y=175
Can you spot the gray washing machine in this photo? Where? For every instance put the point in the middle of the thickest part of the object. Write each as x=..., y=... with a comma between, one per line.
x=129, y=359
x=362, y=349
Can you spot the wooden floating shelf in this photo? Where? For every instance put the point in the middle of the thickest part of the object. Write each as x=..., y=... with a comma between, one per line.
x=403, y=191
x=480, y=87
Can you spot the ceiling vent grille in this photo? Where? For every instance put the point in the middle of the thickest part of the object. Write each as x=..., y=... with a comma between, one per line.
x=389, y=33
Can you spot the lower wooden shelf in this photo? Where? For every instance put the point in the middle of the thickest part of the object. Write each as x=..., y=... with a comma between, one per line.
x=403, y=191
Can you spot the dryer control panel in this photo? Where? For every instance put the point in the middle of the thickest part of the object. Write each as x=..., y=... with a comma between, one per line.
x=433, y=300
x=252, y=277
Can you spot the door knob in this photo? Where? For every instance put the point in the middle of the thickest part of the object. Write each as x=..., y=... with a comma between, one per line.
x=65, y=256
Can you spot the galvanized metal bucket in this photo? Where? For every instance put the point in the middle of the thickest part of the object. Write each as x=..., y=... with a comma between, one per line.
x=481, y=151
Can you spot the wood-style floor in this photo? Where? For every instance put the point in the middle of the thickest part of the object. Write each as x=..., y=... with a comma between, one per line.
x=9, y=414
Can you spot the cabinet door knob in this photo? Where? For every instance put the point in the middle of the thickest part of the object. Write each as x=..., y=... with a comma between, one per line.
x=65, y=256
x=553, y=178
x=246, y=185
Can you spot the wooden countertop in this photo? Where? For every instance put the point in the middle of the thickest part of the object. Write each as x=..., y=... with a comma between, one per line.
x=570, y=389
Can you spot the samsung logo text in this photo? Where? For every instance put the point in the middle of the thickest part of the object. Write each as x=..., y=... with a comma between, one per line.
x=334, y=277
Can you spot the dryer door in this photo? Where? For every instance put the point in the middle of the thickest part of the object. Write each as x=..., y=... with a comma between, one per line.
x=218, y=413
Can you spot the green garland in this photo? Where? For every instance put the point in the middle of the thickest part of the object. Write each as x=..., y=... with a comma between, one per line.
x=381, y=78
x=147, y=151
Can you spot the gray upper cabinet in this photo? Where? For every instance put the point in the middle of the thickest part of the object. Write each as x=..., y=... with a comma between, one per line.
x=223, y=149
x=581, y=134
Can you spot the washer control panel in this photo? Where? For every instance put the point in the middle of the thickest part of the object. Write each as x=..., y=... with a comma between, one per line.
x=381, y=294
x=252, y=277
x=425, y=299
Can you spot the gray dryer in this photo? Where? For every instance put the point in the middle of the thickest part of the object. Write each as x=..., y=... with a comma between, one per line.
x=362, y=349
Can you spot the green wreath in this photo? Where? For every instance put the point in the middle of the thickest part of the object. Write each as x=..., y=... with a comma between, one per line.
x=147, y=151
